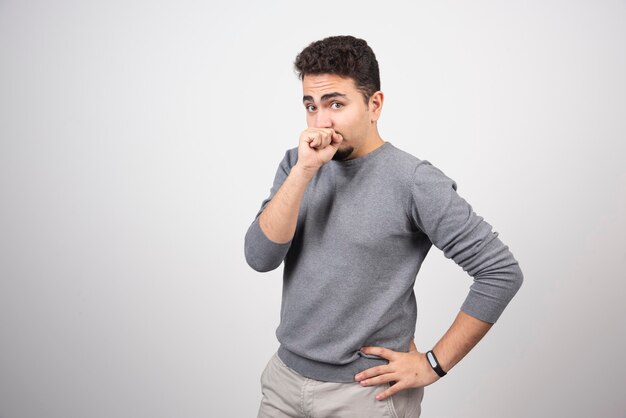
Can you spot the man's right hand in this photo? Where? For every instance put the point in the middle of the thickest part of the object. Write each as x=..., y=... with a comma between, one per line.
x=317, y=147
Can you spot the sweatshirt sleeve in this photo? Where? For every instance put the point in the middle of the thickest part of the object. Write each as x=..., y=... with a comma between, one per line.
x=261, y=253
x=453, y=227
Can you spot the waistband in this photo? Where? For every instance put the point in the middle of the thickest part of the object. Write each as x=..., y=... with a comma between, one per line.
x=325, y=372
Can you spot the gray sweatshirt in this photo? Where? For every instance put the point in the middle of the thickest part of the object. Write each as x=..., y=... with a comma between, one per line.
x=364, y=228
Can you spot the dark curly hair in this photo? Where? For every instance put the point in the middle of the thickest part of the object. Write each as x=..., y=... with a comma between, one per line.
x=345, y=56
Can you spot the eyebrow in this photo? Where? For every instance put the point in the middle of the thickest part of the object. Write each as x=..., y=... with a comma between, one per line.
x=325, y=97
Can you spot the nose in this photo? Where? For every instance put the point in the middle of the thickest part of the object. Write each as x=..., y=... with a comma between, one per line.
x=322, y=119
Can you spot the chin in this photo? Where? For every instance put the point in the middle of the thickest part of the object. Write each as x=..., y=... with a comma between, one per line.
x=343, y=154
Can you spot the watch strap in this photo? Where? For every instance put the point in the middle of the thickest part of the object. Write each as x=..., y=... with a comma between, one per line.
x=434, y=363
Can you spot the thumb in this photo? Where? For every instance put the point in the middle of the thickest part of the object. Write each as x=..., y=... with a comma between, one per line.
x=329, y=151
x=412, y=346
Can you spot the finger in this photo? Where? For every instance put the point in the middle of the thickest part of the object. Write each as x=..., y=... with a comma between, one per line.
x=327, y=131
x=373, y=371
x=389, y=392
x=309, y=139
x=379, y=380
x=336, y=138
x=412, y=346
x=316, y=141
x=324, y=140
x=379, y=351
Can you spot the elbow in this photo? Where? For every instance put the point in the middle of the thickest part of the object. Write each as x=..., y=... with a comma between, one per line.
x=257, y=261
x=260, y=266
x=262, y=254
x=518, y=278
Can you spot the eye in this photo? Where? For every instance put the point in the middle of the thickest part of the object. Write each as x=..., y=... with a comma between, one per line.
x=310, y=108
x=336, y=105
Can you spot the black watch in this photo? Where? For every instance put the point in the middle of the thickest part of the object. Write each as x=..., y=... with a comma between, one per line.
x=432, y=360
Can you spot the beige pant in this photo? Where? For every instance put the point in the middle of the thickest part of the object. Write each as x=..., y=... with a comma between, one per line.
x=289, y=394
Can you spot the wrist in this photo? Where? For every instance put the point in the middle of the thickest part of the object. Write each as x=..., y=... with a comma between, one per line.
x=434, y=363
x=305, y=172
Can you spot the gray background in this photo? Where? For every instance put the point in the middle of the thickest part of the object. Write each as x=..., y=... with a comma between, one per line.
x=138, y=139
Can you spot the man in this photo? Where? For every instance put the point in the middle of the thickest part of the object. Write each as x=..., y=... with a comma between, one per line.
x=353, y=217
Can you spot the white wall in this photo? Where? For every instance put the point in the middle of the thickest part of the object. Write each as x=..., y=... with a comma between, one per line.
x=138, y=139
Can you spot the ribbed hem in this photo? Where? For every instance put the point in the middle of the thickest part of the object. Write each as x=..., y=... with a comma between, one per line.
x=339, y=373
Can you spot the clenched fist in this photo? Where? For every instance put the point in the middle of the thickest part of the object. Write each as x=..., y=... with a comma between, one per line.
x=317, y=147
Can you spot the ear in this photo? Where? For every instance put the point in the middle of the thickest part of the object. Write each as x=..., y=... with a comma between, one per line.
x=376, y=105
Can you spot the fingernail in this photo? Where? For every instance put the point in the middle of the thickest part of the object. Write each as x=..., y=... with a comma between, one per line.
x=358, y=377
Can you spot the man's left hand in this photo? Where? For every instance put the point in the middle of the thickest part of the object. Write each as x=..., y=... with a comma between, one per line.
x=407, y=370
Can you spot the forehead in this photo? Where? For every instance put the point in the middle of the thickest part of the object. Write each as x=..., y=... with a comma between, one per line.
x=316, y=85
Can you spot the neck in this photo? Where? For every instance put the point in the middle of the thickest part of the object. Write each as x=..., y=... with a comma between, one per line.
x=372, y=143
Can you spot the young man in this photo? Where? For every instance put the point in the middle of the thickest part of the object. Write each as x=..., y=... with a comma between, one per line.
x=353, y=218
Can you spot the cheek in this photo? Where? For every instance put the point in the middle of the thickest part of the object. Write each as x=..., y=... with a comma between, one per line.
x=347, y=122
x=356, y=124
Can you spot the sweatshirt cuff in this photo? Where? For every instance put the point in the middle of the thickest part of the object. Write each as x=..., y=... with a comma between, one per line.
x=487, y=302
x=487, y=311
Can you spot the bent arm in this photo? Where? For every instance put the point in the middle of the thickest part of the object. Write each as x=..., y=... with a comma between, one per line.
x=265, y=252
x=452, y=226
x=462, y=235
x=278, y=220
x=269, y=237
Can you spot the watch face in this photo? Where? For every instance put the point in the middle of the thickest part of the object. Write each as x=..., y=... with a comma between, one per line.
x=431, y=359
